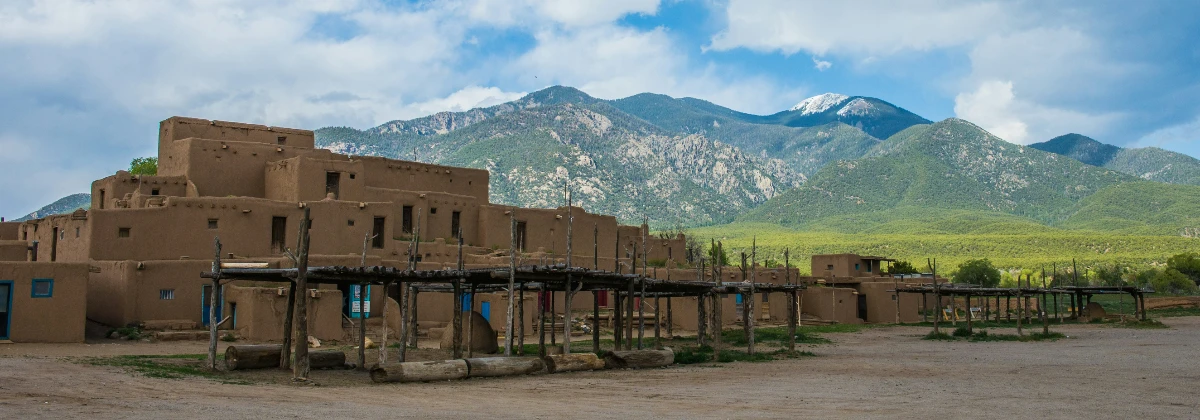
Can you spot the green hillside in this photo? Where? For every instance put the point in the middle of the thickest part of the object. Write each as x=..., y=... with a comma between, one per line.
x=1150, y=163
x=953, y=165
x=1142, y=208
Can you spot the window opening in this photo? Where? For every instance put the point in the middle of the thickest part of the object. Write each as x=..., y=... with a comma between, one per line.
x=122, y=232
x=43, y=288
x=455, y=225
x=212, y=223
x=377, y=232
x=166, y=294
x=278, y=234
x=333, y=183
x=406, y=220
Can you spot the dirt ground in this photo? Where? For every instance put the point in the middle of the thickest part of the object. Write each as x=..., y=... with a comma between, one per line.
x=1098, y=372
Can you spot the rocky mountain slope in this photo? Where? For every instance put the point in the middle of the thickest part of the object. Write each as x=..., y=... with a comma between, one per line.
x=63, y=205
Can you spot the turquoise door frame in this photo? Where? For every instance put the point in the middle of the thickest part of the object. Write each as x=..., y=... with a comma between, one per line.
x=204, y=304
x=8, y=310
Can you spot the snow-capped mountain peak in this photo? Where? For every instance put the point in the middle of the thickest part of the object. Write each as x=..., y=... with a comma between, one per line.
x=858, y=106
x=820, y=103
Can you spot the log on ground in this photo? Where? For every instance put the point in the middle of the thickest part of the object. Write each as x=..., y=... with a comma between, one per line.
x=638, y=359
x=504, y=366
x=573, y=362
x=257, y=356
x=327, y=359
x=441, y=370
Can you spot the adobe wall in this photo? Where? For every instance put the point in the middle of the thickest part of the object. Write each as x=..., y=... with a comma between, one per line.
x=881, y=303
x=108, y=191
x=179, y=128
x=181, y=228
x=63, y=237
x=431, y=224
x=831, y=304
x=546, y=230
x=14, y=250
x=259, y=312
x=416, y=176
x=59, y=318
x=304, y=179
x=10, y=231
x=228, y=168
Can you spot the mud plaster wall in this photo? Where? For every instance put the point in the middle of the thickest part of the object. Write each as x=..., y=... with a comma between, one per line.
x=178, y=128
x=260, y=312
x=69, y=243
x=831, y=304
x=415, y=176
x=881, y=303
x=14, y=250
x=304, y=179
x=227, y=168
x=431, y=225
x=56, y=319
x=10, y=231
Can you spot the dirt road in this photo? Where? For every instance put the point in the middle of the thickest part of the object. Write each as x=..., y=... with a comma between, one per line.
x=1099, y=372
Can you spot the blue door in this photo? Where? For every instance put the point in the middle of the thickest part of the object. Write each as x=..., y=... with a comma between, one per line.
x=486, y=308
x=5, y=308
x=204, y=303
x=466, y=304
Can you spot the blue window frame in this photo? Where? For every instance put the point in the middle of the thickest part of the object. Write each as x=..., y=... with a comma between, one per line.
x=42, y=288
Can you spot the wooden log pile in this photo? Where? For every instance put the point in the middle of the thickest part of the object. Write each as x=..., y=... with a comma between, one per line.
x=639, y=359
x=261, y=356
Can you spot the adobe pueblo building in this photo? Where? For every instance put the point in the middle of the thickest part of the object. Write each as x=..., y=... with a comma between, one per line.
x=136, y=256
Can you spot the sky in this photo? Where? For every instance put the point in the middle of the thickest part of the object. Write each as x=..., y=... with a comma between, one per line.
x=83, y=84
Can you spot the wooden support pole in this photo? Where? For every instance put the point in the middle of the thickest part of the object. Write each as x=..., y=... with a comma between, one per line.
x=405, y=307
x=792, y=316
x=753, y=296
x=630, y=301
x=641, y=307
x=970, y=324
x=657, y=324
x=301, y=365
x=670, y=321
x=718, y=325
x=521, y=326
x=456, y=348
x=701, y=319
x=596, y=321
x=512, y=278
x=567, y=293
x=384, y=335
x=542, y=321
x=553, y=318
x=413, y=329
x=285, y=355
x=212, y=304
x=617, y=320
x=1020, y=308
x=937, y=296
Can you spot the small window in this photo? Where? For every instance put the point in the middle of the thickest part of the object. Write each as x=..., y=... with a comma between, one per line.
x=62, y=234
x=433, y=210
x=349, y=222
x=154, y=191
x=212, y=223
x=856, y=267
x=829, y=267
x=122, y=232
x=43, y=288
x=281, y=140
x=406, y=219
x=166, y=294
x=377, y=231
x=351, y=176
x=455, y=223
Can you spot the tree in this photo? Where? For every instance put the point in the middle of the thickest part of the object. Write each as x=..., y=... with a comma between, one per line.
x=1187, y=264
x=1108, y=276
x=1172, y=281
x=722, y=259
x=901, y=267
x=144, y=166
x=980, y=272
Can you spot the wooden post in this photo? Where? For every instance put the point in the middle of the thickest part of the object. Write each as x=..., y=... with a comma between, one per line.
x=542, y=320
x=670, y=321
x=595, y=321
x=412, y=330
x=629, y=302
x=937, y=296
x=793, y=315
x=512, y=278
x=701, y=319
x=617, y=320
x=924, y=307
x=405, y=307
x=753, y=297
x=641, y=312
x=970, y=323
x=718, y=323
x=456, y=345
x=212, y=304
x=285, y=355
x=896, y=289
x=300, y=366
x=1020, y=309
x=567, y=294
x=657, y=324
x=384, y=335
x=553, y=318
x=521, y=326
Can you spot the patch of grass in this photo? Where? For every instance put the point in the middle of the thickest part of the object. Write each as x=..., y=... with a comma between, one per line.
x=173, y=366
x=693, y=355
x=704, y=354
x=1149, y=324
x=1174, y=312
x=937, y=336
x=128, y=333
x=961, y=332
x=228, y=338
x=1051, y=336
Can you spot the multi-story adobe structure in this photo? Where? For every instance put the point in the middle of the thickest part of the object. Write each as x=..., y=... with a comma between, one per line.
x=140, y=248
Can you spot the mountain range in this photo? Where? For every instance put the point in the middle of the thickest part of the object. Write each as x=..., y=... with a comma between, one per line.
x=832, y=162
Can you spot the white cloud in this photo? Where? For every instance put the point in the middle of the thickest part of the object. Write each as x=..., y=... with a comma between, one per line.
x=569, y=13
x=856, y=26
x=995, y=106
x=821, y=65
x=465, y=99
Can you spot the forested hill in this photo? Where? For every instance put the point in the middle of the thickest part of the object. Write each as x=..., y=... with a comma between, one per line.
x=1150, y=163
